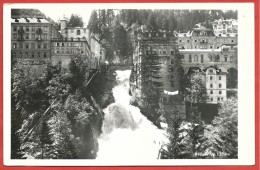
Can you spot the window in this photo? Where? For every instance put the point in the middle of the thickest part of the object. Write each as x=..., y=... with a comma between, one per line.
x=220, y=92
x=62, y=44
x=210, y=46
x=179, y=40
x=39, y=46
x=195, y=40
x=195, y=46
x=218, y=99
x=201, y=58
x=15, y=28
x=33, y=29
x=20, y=55
x=188, y=41
x=226, y=58
x=33, y=36
x=27, y=46
x=45, y=55
x=45, y=45
x=39, y=55
x=172, y=52
x=21, y=45
x=190, y=59
x=211, y=78
x=45, y=29
x=27, y=29
x=14, y=45
x=58, y=44
x=164, y=52
x=211, y=99
x=78, y=32
x=15, y=36
x=211, y=71
x=219, y=77
x=45, y=36
x=211, y=91
x=220, y=85
x=82, y=52
x=232, y=41
x=27, y=55
x=196, y=58
x=27, y=36
x=217, y=58
x=32, y=55
x=58, y=52
x=33, y=46
x=172, y=61
x=211, y=85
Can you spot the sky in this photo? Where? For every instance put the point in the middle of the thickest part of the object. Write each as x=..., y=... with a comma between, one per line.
x=57, y=12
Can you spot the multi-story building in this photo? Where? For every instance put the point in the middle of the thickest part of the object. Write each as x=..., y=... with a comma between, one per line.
x=225, y=26
x=64, y=49
x=202, y=48
x=162, y=44
x=77, y=40
x=216, y=84
x=31, y=39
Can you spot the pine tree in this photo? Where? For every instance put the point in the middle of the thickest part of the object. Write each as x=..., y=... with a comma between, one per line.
x=75, y=21
x=93, y=24
x=151, y=22
x=45, y=141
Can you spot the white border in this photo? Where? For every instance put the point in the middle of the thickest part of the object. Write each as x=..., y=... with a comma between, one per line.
x=246, y=100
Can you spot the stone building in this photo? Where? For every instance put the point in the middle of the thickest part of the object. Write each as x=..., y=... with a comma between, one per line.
x=216, y=84
x=162, y=44
x=225, y=26
x=31, y=39
x=77, y=40
x=201, y=47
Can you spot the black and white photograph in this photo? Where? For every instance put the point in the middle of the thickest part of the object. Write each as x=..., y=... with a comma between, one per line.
x=166, y=84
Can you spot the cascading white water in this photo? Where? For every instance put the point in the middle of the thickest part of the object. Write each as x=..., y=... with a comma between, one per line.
x=127, y=135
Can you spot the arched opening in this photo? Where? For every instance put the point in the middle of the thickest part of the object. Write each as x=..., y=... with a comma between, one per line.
x=78, y=32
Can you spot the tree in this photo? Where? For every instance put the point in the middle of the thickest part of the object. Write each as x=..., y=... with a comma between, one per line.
x=75, y=21
x=232, y=78
x=93, y=24
x=45, y=141
x=120, y=40
x=151, y=22
x=226, y=125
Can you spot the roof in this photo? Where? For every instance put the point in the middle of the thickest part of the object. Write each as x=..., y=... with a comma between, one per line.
x=200, y=50
x=29, y=20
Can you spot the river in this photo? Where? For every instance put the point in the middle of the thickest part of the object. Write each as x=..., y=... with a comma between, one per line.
x=127, y=135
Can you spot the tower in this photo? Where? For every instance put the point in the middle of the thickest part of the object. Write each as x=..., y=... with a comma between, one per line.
x=63, y=27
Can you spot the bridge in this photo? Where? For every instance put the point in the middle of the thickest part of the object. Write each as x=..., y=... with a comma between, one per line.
x=118, y=66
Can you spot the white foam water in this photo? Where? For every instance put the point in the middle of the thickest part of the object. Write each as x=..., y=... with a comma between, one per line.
x=127, y=135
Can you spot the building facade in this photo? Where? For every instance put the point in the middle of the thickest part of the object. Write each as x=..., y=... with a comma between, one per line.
x=31, y=39
x=162, y=44
x=216, y=84
x=225, y=26
x=202, y=48
x=77, y=40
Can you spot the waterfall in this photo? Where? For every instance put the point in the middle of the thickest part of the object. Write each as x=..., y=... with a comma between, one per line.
x=127, y=135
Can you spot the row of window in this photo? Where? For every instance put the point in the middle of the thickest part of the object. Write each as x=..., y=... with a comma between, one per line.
x=212, y=77
x=29, y=55
x=216, y=58
x=219, y=85
x=212, y=92
x=69, y=52
x=159, y=52
x=78, y=32
x=29, y=36
x=30, y=45
x=219, y=99
x=68, y=44
x=30, y=28
x=217, y=40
